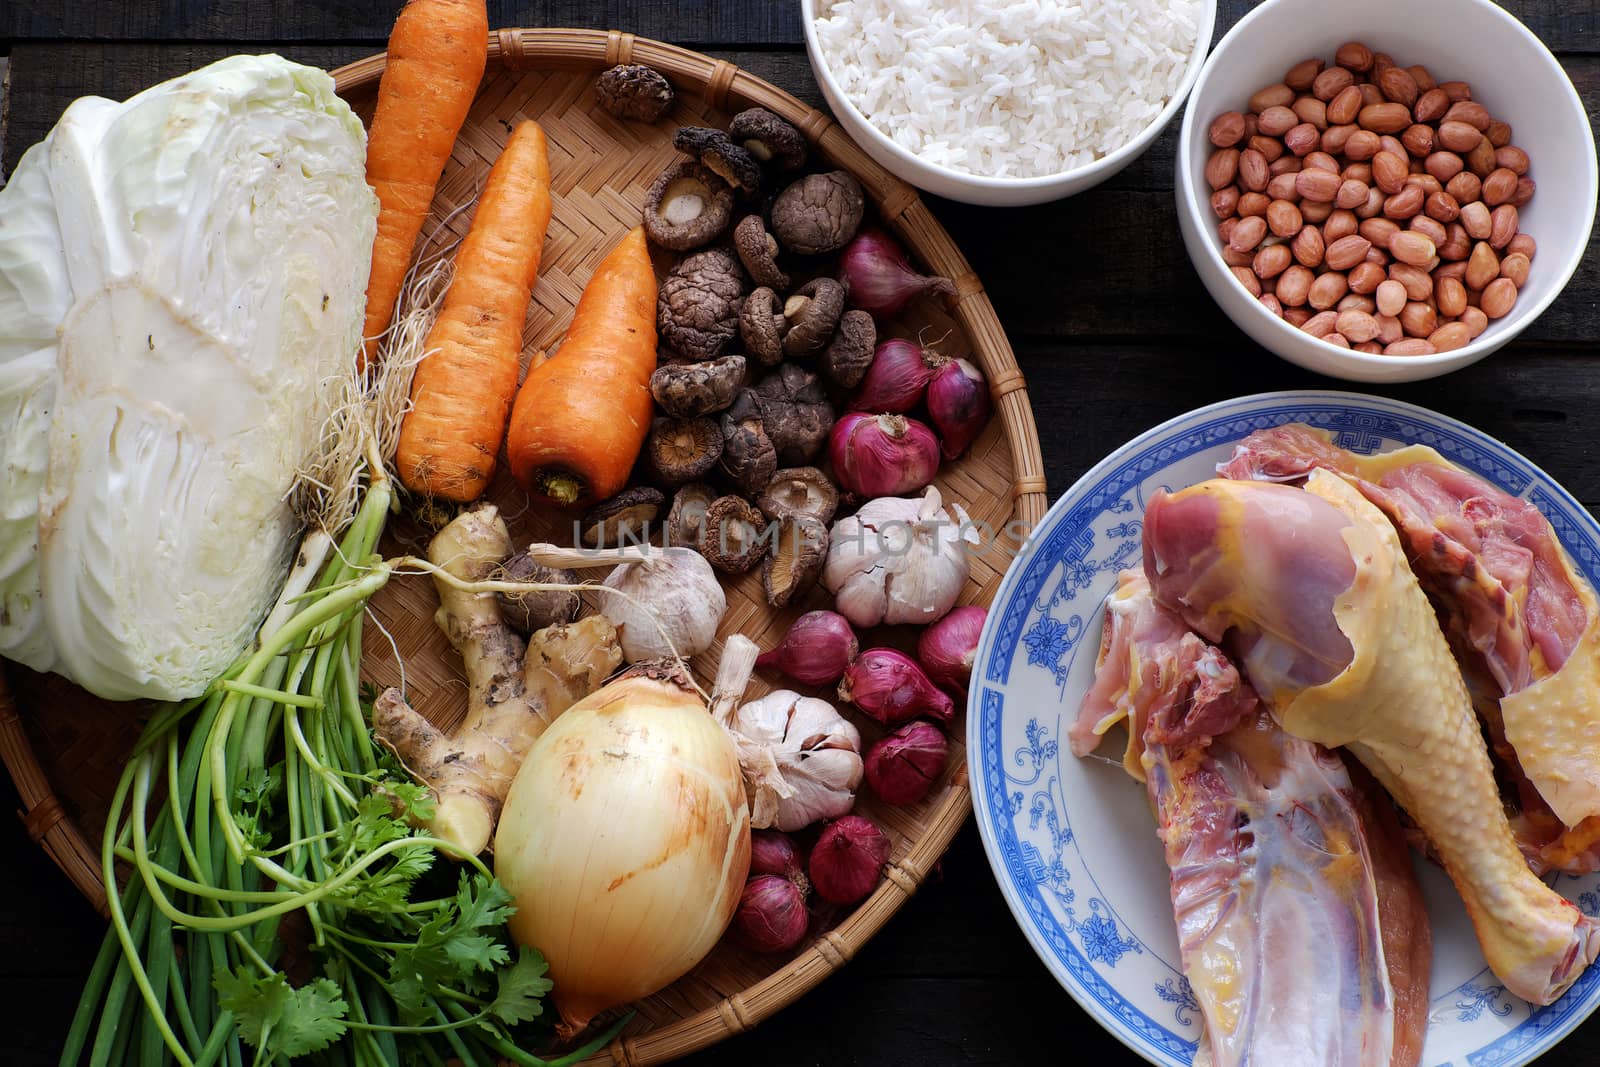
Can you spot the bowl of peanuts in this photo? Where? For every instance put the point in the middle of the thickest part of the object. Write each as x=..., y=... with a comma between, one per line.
x=1382, y=192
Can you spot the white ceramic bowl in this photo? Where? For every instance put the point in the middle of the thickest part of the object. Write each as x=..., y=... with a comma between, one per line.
x=993, y=192
x=1511, y=73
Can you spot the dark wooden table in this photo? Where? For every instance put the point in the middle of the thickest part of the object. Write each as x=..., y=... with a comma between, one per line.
x=1114, y=332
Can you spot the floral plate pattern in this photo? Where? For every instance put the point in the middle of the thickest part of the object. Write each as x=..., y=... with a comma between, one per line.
x=1071, y=841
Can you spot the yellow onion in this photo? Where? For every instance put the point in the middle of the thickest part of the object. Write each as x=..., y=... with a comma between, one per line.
x=626, y=841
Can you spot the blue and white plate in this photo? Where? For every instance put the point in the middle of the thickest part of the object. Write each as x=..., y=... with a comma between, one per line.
x=1072, y=842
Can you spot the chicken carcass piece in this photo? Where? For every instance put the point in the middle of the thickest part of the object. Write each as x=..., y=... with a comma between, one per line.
x=1303, y=940
x=1312, y=589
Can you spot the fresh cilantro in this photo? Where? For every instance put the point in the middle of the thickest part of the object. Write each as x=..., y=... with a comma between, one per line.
x=520, y=988
x=456, y=948
x=278, y=1019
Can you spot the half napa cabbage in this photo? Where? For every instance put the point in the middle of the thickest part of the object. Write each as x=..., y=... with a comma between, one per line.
x=182, y=280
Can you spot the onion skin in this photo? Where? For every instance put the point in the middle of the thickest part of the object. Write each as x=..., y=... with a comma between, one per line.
x=958, y=405
x=883, y=455
x=625, y=841
x=816, y=650
x=879, y=276
x=903, y=766
x=772, y=914
x=947, y=648
x=889, y=686
x=898, y=377
x=848, y=859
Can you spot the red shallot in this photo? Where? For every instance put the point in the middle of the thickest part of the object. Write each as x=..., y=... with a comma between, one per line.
x=898, y=377
x=946, y=649
x=883, y=455
x=958, y=405
x=816, y=650
x=772, y=914
x=774, y=852
x=848, y=859
x=889, y=686
x=879, y=277
x=902, y=767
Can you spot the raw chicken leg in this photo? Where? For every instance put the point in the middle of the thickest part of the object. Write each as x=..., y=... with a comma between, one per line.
x=1313, y=589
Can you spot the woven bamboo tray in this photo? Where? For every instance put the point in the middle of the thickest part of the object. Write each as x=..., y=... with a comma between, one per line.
x=65, y=749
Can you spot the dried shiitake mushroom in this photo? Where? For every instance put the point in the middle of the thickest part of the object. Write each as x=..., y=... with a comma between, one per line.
x=733, y=541
x=799, y=492
x=758, y=251
x=748, y=456
x=850, y=353
x=714, y=149
x=686, y=207
x=634, y=91
x=768, y=138
x=686, y=522
x=812, y=312
x=527, y=612
x=819, y=213
x=625, y=518
x=794, y=412
x=762, y=326
x=687, y=390
x=681, y=450
x=799, y=547
x=697, y=309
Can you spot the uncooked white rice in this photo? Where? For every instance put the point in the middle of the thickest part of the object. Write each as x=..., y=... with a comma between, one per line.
x=1009, y=88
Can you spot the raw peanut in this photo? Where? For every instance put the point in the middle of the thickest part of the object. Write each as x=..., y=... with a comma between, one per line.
x=1409, y=346
x=1370, y=94
x=1331, y=82
x=1284, y=164
x=1294, y=284
x=1222, y=167
x=1450, y=295
x=1283, y=218
x=1385, y=118
x=1344, y=108
x=1270, y=147
x=1353, y=55
x=1352, y=194
x=1302, y=74
x=1248, y=279
x=1371, y=348
x=1225, y=201
x=1502, y=225
x=1404, y=204
x=1456, y=270
x=1279, y=95
x=1418, y=140
x=1277, y=121
x=1475, y=320
x=1389, y=330
x=1483, y=266
x=1389, y=143
x=1524, y=192
x=1450, y=336
x=1308, y=248
x=1522, y=244
x=1480, y=160
x=1378, y=257
x=1248, y=233
x=1443, y=165
x=1363, y=144
x=1297, y=316
x=1366, y=277
x=1431, y=105
x=1342, y=223
x=1426, y=182
x=1373, y=204
x=1391, y=297
x=1311, y=110
x=1418, y=319
x=1271, y=261
x=1321, y=324
x=1500, y=186
x=1225, y=228
x=1456, y=91
x=1334, y=138
x=1357, y=325
x=1380, y=60
x=1514, y=268
x=1337, y=339
x=1254, y=204
x=1346, y=252
x=1432, y=229
x=1499, y=133
x=1316, y=185
x=1465, y=187
x=1250, y=128
x=1420, y=75
x=1315, y=211
x=1418, y=285
x=1408, y=247
x=1227, y=129
x=1379, y=231
x=1457, y=136
x=1357, y=172
x=1469, y=112
x=1498, y=296
x=1477, y=220
x=1270, y=302
x=1302, y=139
x=1322, y=161
x=1235, y=258
x=1327, y=290
x=1254, y=170
x=1389, y=172
x=1441, y=207
x=1511, y=158
x=1356, y=301
x=1281, y=187
x=1398, y=85
x=1457, y=244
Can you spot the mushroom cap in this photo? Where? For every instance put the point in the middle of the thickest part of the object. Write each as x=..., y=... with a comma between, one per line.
x=634, y=91
x=798, y=549
x=794, y=411
x=686, y=527
x=758, y=251
x=624, y=517
x=687, y=390
x=762, y=326
x=748, y=455
x=819, y=213
x=816, y=306
x=733, y=542
x=850, y=353
x=697, y=308
x=768, y=138
x=799, y=492
x=716, y=150
x=681, y=450
x=686, y=207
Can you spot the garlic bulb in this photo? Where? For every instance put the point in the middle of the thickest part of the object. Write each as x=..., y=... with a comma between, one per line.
x=898, y=560
x=801, y=759
x=671, y=594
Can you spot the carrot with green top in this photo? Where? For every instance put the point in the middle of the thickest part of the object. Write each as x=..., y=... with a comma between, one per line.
x=437, y=52
x=462, y=391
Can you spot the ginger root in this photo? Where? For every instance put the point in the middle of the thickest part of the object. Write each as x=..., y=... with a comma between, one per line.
x=514, y=690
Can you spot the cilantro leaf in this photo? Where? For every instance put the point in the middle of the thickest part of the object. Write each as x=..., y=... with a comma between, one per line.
x=520, y=989
x=279, y=1019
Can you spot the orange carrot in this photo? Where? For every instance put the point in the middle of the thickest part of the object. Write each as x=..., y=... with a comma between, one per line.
x=437, y=51
x=462, y=391
x=581, y=416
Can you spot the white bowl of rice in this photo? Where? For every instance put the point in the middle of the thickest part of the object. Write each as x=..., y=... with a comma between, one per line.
x=1006, y=102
